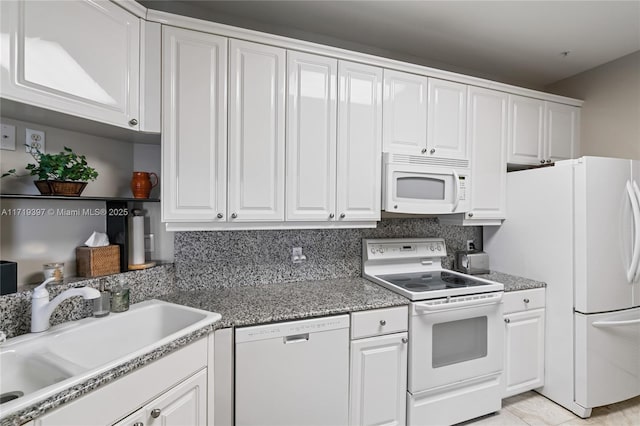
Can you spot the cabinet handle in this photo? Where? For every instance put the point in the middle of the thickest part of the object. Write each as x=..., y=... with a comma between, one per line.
x=395, y=206
x=507, y=320
x=405, y=340
x=424, y=150
x=219, y=215
x=526, y=300
x=138, y=424
x=433, y=151
x=383, y=322
x=548, y=161
x=541, y=161
x=133, y=122
x=342, y=215
x=470, y=214
x=155, y=413
x=234, y=215
x=331, y=215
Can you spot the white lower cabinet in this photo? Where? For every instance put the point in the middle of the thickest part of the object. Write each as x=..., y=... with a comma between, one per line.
x=378, y=382
x=524, y=341
x=185, y=404
x=169, y=391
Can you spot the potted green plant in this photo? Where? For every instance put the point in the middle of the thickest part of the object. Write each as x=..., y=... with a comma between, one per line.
x=65, y=173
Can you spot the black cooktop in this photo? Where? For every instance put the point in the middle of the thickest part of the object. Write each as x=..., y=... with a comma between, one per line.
x=429, y=281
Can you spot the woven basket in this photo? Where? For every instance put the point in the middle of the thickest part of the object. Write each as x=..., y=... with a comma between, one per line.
x=60, y=187
x=97, y=261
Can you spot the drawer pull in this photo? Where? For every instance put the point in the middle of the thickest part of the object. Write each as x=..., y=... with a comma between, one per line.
x=405, y=340
x=155, y=413
x=526, y=300
x=507, y=320
x=383, y=322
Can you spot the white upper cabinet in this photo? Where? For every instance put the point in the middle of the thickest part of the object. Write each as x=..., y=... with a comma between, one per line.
x=359, y=149
x=563, y=131
x=487, y=136
x=526, y=130
x=256, y=132
x=77, y=57
x=194, y=126
x=541, y=132
x=405, y=112
x=311, y=137
x=447, y=119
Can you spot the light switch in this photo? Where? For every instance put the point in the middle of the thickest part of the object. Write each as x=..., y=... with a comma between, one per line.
x=8, y=137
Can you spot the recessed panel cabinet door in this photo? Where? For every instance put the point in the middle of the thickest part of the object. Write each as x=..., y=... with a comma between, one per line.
x=405, y=113
x=77, y=57
x=563, y=131
x=447, y=120
x=487, y=138
x=194, y=126
x=526, y=130
x=524, y=352
x=359, y=141
x=311, y=137
x=256, y=132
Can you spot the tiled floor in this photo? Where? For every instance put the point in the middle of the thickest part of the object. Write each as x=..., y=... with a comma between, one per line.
x=533, y=409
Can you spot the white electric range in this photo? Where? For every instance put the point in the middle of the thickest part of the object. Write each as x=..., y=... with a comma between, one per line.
x=456, y=331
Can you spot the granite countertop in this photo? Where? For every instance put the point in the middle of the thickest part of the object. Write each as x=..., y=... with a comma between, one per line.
x=512, y=282
x=260, y=304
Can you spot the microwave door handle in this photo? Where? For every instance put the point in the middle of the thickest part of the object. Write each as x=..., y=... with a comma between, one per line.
x=456, y=191
x=637, y=232
x=635, y=257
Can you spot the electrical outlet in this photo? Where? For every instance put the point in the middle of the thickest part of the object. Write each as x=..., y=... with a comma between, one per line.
x=8, y=137
x=470, y=245
x=34, y=140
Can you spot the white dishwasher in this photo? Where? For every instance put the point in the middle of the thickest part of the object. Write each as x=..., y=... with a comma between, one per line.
x=293, y=373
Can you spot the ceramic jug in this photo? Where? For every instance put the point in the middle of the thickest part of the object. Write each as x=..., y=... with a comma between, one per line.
x=141, y=184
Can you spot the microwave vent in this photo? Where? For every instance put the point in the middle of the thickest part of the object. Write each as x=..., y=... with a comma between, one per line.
x=429, y=161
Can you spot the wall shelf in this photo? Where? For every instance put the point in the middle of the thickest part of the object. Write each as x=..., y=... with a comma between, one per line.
x=89, y=198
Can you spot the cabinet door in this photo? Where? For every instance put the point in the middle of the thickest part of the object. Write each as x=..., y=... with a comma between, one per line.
x=256, y=132
x=359, y=142
x=378, y=380
x=77, y=57
x=526, y=130
x=194, y=126
x=311, y=137
x=447, y=119
x=487, y=137
x=404, y=113
x=563, y=130
x=524, y=352
x=185, y=404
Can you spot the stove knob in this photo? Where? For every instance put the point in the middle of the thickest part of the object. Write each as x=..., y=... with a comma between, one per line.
x=432, y=247
x=373, y=250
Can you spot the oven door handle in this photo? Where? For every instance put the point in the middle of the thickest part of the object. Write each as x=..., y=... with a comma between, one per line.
x=484, y=300
x=456, y=190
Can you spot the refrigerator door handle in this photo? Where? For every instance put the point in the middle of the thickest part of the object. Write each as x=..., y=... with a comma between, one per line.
x=632, y=272
x=637, y=228
x=616, y=323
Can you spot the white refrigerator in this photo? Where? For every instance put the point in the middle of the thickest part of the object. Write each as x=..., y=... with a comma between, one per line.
x=576, y=226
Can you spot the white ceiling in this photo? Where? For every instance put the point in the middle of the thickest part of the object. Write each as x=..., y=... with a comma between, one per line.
x=518, y=42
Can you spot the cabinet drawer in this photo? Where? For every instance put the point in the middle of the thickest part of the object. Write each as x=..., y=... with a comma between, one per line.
x=523, y=300
x=378, y=321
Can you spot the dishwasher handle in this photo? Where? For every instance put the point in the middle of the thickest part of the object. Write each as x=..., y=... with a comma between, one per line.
x=295, y=338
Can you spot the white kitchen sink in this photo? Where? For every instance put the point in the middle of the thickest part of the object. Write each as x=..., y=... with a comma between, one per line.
x=38, y=365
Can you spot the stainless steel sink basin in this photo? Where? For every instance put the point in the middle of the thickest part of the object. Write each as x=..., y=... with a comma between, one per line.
x=38, y=365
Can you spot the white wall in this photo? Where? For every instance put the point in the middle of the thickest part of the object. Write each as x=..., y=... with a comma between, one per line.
x=610, y=117
x=32, y=241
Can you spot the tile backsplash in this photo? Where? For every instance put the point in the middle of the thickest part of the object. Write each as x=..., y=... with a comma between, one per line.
x=224, y=258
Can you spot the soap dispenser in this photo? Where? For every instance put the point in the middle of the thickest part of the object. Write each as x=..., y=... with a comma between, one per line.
x=120, y=296
x=101, y=305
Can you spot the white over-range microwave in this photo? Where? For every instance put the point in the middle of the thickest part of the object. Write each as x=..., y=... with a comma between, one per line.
x=423, y=185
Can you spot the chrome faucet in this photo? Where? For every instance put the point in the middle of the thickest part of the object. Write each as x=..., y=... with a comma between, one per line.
x=42, y=308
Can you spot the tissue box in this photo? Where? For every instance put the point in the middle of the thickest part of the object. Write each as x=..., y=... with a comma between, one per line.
x=97, y=261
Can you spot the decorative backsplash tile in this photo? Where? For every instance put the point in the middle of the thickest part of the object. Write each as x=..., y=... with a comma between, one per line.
x=224, y=258
x=15, y=309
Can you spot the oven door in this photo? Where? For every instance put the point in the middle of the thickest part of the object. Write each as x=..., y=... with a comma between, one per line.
x=455, y=341
x=419, y=189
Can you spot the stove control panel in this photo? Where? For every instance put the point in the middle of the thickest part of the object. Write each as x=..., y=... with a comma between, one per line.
x=403, y=248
